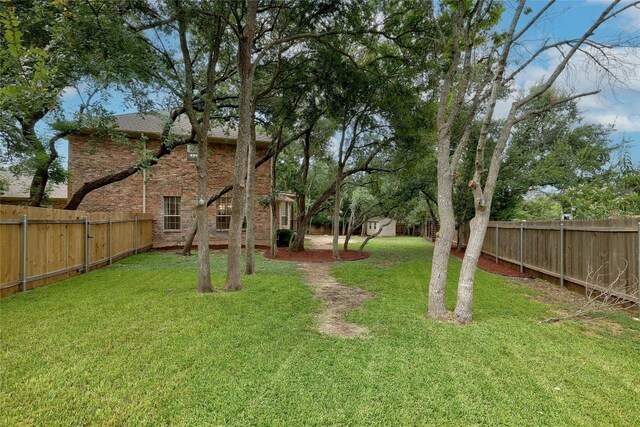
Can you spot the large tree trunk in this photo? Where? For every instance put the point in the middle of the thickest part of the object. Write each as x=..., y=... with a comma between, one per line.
x=273, y=240
x=249, y=267
x=204, y=268
x=297, y=245
x=440, y=263
x=336, y=217
x=245, y=72
x=39, y=183
x=40, y=179
x=349, y=231
x=463, y=311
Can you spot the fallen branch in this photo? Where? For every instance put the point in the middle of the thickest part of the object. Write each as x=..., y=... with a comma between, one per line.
x=602, y=294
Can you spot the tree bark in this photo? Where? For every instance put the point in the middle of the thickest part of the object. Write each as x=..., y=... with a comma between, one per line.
x=439, y=266
x=273, y=240
x=204, y=268
x=464, y=305
x=249, y=267
x=39, y=182
x=336, y=217
x=297, y=245
x=245, y=73
x=349, y=231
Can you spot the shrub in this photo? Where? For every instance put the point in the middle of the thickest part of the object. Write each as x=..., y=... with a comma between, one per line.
x=284, y=237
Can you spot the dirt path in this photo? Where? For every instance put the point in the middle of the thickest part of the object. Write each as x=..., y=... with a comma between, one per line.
x=326, y=242
x=338, y=299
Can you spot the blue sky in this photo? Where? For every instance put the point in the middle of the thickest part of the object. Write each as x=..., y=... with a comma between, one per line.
x=617, y=104
x=619, y=101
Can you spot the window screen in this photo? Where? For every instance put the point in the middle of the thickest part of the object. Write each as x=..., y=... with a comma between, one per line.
x=284, y=220
x=223, y=213
x=172, y=213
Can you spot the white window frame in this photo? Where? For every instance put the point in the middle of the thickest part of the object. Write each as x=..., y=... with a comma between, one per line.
x=226, y=211
x=284, y=214
x=175, y=215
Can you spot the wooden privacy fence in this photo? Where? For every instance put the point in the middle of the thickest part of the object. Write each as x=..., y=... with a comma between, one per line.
x=570, y=252
x=40, y=246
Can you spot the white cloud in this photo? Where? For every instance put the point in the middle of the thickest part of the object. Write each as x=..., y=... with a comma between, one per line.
x=617, y=103
x=68, y=93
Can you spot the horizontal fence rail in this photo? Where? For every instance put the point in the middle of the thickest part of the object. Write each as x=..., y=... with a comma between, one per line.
x=583, y=253
x=42, y=246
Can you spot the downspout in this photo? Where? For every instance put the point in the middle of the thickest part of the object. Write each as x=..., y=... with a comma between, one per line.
x=144, y=182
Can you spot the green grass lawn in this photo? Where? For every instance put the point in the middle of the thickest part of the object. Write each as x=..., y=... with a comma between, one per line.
x=133, y=344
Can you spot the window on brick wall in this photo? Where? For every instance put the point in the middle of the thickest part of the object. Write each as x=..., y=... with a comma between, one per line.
x=284, y=219
x=172, y=213
x=223, y=213
x=192, y=152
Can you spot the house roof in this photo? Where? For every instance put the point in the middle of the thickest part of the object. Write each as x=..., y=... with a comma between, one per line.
x=286, y=197
x=19, y=187
x=151, y=124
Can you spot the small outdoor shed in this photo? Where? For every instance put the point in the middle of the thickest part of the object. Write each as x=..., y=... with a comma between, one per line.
x=388, y=226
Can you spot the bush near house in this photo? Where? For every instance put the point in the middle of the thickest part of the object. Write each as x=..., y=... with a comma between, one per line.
x=284, y=236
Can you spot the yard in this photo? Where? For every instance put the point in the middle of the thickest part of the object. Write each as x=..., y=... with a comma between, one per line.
x=133, y=344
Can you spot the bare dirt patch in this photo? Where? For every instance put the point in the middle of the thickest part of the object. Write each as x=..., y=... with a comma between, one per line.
x=316, y=255
x=338, y=299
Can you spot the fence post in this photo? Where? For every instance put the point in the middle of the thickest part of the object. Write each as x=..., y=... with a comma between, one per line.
x=521, y=246
x=24, y=253
x=497, y=240
x=110, y=241
x=135, y=235
x=86, y=244
x=561, y=254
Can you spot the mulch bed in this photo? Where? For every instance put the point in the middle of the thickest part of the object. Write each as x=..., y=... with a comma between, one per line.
x=316, y=255
x=489, y=264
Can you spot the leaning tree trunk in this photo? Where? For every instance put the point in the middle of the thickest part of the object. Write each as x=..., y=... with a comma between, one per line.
x=442, y=250
x=40, y=179
x=376, y=234
x=349, y=231
x=249, y=267
x=38, y=186
x=245, y=102
x=464, y=305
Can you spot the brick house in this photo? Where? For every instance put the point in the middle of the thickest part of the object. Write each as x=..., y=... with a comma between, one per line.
x=168, y=189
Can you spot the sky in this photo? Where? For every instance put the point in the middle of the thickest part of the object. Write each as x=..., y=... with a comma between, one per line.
x=617, y=104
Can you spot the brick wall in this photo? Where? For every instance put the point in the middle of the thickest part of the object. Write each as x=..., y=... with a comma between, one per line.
x=174, y=175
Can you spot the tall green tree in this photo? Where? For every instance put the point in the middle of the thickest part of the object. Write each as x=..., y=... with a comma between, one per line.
x=42, y=60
